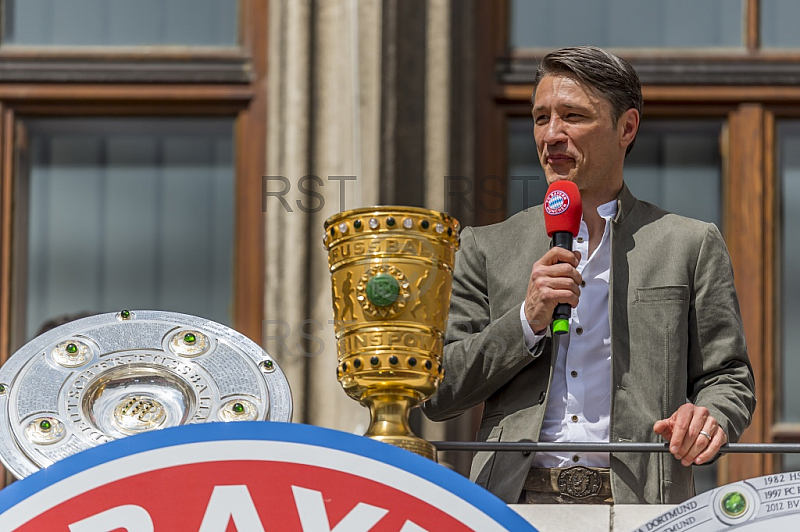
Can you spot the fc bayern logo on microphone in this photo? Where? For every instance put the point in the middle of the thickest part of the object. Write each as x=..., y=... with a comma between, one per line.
x=556, y=202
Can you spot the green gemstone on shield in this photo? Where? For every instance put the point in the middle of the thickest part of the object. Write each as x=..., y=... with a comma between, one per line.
x=125, y=314
x=189, y=338
x=268, y=364
x=45, y=425
x=72, y=349
x=238, y=408
x=382, y=290
x=734, y=503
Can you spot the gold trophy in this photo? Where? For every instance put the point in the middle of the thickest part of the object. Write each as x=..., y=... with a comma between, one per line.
x=391, y=272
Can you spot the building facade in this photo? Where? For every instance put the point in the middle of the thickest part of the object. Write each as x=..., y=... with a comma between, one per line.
x=184, y=156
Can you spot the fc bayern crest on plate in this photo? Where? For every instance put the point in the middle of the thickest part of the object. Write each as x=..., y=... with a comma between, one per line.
x=556, y=202
x=114, y=375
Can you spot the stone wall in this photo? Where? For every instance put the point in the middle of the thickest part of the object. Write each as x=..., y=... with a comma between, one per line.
x=589, y=517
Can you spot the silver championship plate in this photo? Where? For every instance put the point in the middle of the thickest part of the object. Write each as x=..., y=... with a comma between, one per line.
x=108, y=376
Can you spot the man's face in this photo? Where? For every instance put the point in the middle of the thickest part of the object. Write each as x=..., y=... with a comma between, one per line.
x=575, y=136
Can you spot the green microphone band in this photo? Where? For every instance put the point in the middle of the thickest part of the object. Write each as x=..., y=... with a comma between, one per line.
x=560, y=326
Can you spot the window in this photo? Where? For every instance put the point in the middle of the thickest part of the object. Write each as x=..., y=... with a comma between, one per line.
x=120, y=23
x=778, y=24
x=129, y=213
x=99, y=95
x=627, y=23
x=788, y=415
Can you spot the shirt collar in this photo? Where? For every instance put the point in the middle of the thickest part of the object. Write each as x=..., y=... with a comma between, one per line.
x=608, y=210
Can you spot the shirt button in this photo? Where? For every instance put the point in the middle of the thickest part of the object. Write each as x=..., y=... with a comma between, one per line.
x=579, y=330
x=574, y=373
x=583, y=284
x=541, y=397
x=575, y=458
x=580, y=240
x=574, y=419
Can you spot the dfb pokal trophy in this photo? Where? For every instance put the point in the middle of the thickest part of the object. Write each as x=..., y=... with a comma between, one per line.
x=391, y=272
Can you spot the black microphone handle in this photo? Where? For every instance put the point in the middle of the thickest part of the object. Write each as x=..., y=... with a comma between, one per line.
x=562, y=239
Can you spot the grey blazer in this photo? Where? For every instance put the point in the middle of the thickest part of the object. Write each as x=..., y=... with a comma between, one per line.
x=676, y=336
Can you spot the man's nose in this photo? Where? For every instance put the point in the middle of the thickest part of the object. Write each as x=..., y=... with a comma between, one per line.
x=554, y=131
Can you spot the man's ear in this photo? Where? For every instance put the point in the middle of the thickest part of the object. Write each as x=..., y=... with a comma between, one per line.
x=628, y=126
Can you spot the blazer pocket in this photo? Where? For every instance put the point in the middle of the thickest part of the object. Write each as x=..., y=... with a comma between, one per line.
x=658, y=328
x=658, y=294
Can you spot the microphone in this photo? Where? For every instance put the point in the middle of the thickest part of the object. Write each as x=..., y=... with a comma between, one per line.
x=562, y=219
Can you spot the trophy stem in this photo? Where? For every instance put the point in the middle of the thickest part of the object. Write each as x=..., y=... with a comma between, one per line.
x=389, y=411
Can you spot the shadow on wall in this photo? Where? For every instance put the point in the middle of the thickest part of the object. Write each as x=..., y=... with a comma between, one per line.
x=63, y=319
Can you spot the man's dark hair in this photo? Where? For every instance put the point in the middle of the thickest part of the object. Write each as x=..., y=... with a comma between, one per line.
x=613, y=77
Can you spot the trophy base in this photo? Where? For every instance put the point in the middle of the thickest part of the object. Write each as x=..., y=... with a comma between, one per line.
x=410, y=443
x=389, y=410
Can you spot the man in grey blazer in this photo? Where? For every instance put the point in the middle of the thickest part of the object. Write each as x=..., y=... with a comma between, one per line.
x=656, y=347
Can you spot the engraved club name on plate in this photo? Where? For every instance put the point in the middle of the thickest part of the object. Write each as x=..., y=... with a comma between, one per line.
x=764, y=504
x=114, y=375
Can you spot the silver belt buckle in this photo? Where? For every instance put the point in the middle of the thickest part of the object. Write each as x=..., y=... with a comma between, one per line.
x=579, y=482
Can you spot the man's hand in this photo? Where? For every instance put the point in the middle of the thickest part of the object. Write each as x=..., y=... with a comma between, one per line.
x=553, y=280
x=694, y=436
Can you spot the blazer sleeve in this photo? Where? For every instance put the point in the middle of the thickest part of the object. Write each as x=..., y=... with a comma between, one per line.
x=481, y=354
x=720, y=374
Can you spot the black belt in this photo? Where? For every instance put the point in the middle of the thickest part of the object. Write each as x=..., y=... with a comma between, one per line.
x=577, y=481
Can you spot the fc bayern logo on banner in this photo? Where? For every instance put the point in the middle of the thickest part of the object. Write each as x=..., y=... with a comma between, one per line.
x=251, y=477
x=556, y=202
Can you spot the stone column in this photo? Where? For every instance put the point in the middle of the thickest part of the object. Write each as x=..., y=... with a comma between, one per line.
x=323, y=115
x=361, y=112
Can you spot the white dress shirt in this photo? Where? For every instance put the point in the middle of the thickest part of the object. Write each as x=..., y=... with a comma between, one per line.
x=579, y=400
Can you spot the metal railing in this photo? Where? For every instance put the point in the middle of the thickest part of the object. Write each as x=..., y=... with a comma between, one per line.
x=624, y=447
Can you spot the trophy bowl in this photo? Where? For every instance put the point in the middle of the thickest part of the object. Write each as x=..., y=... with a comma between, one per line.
x=391, y=273
x=113, y=375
